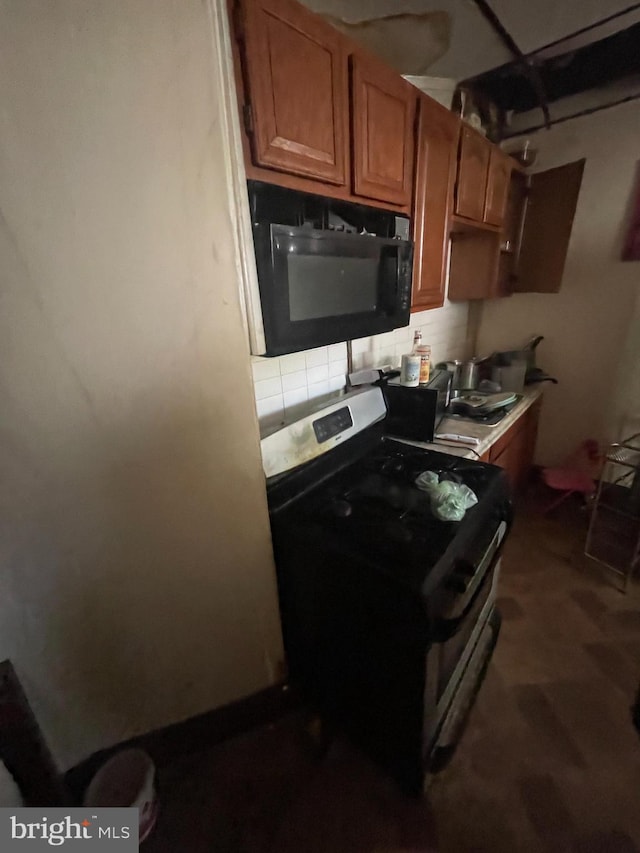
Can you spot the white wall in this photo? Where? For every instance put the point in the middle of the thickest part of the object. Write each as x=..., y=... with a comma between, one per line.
x=136, y=577
x=588, y=326
x=283, y=384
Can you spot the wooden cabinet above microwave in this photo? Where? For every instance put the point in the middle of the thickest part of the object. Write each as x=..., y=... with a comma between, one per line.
x=317, y=108
x=296, y=74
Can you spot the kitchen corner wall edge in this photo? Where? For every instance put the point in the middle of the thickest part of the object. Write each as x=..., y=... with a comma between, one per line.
x=249, y=291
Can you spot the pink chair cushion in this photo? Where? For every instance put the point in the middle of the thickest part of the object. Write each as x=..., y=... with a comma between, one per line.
x=568, y=480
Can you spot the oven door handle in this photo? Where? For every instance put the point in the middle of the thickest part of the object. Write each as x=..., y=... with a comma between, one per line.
x=445, y=629
x=470, y=587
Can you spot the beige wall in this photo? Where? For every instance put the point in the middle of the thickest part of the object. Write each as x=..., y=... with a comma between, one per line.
x=588, y=326
x=136, y=577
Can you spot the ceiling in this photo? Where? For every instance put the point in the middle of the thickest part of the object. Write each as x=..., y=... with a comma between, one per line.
x=594, y=59
x=453, y=38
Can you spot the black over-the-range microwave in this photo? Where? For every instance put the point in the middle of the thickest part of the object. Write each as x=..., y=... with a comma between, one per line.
x=328, y=271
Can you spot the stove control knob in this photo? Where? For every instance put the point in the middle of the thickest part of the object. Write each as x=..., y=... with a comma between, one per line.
x=341, y=508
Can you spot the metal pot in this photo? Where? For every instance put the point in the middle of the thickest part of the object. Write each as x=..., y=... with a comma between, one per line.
x=469, y=374
x=453, y=366
x=465, y=374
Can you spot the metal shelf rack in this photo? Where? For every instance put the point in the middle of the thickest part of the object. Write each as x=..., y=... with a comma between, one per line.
x=613, y=537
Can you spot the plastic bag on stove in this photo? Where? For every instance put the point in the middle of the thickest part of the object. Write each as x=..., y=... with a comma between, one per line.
x=449, y=500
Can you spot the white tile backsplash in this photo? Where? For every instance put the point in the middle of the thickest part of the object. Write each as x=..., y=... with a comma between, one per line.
x=317, y=374
x=338, y=368
x=361, y=345
x=317, y=389
x=265, y=368
x=314, y=357
x=293, y=381
x=284, y=383
x=295, y=397
x=291, y=363
x=270, y=410
x=337, y=352
x=267, y=387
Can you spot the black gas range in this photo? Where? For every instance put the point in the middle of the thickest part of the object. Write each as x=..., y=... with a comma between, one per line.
x=388, y=613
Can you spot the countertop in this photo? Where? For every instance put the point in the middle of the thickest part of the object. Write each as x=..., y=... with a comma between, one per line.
x=486, y=435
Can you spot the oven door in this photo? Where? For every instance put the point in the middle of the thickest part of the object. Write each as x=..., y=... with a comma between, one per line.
x=460, y=642
x=321, y=287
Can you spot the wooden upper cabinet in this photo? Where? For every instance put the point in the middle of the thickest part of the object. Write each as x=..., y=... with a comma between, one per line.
x=383, y=113
x=499, y=175
x=550, y=207
x=473, y=169
x=297, y=74
x=436, y=160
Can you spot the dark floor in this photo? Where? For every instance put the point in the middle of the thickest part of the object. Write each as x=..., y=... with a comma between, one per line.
x=549, y=761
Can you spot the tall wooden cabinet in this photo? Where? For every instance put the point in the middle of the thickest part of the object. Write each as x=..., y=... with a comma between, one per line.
x=296, y=67
x=436, y=146
x=383, y=127
x=498, y=177
x=473, y=169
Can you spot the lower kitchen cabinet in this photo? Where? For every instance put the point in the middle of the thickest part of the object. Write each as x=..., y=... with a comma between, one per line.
x=436, y=149
x=514, y=450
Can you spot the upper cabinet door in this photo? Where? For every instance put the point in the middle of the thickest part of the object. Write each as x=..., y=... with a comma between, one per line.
x=473, y=169
x=551, y=206
x=298, y=89
x=436, y=154
x=497, y=187
x=383, y=127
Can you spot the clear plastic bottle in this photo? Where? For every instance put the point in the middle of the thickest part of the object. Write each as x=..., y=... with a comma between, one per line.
x=417, y=341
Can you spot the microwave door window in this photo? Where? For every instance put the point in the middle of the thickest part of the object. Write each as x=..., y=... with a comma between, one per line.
x=331, y=286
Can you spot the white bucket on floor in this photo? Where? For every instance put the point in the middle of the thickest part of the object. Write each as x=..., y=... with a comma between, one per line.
x=127, y=780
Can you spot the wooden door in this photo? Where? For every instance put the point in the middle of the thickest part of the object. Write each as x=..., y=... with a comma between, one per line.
x=551, y=206
x=473, y=271
x=512, y=232
x=508, y=453
x=297, y=76
x=473, y=168
x=383, y=113
x=497, y=192
x=436, y=151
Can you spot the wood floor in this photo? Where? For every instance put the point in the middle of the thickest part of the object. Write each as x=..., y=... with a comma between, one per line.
x=549, y=762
